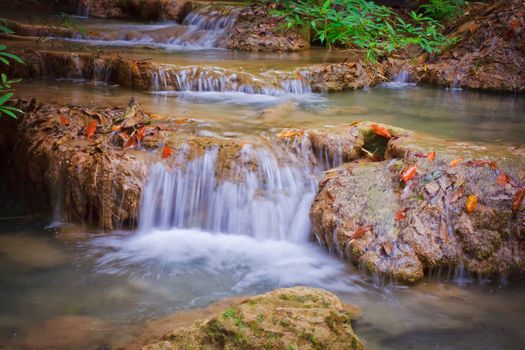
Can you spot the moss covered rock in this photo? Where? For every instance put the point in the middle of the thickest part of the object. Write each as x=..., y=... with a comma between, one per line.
x=289, y=318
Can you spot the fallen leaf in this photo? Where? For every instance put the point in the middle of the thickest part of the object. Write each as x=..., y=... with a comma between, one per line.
x=471, y=202
x=361, y=231
x=181, y=121
x=131, y=142
x=431, y=156
x=90, y=130
x=455, y=162
x=63, y=120
x=355, y=122
x=140, y=133
x=387, y=247
x=408, y=174
x=381, y=131
x=457, y=195
x=401, y=214
x=433, y=176
x=518, y=198
x=166, y=152
x=502, y=179
x=286, y=134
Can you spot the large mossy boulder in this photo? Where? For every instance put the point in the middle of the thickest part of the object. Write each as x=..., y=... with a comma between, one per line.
x=289, y=318
x=460, y=206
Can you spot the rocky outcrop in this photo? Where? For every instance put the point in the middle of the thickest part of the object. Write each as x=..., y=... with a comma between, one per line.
x=428, y=204
x=148, y=75
x=290, y=318
x=489, y=56
x=149, y=10
x=257, y=30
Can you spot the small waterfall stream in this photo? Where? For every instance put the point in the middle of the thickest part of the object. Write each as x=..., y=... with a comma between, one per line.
x=270, y=202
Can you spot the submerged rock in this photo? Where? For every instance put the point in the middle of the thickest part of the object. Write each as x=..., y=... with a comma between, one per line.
x=290, y=318
x=366, y=212
x=64, y=332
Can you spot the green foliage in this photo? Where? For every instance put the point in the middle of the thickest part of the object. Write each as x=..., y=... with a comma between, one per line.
x=6, y=90
x=443, y=9
x=363, y=24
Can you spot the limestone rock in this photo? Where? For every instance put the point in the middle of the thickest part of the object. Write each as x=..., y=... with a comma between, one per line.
x=368, y=215
x=298, y=318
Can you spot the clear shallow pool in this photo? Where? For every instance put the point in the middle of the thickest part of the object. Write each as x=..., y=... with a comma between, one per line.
x=116, y=284
x=456, y=115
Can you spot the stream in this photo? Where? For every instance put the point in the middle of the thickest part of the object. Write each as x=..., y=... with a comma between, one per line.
x=199, y=241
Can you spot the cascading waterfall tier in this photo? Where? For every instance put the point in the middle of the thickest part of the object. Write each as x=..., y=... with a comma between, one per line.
x=168, y=78
x=263, y=197
x=204, y=28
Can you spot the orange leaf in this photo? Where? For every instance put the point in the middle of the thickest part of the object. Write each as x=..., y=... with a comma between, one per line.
x=116, y=127
x=502, y=179
x=431, y=156
x=408, y=174
x=286, y=134
x=166, y=152
x=90, y=130
x=472, y=201
x=518, y=198
x=360, y=232
x=401, y=214
x=63, y=120
x=181, y=121
x=381, y=131
x=131, y=142
x=140, y=133
x=455, y=162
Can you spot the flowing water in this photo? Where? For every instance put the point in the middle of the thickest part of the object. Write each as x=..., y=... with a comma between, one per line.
x=201, y=239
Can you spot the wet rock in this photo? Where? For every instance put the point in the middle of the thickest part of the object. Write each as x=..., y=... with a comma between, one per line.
x=148, y=75
x=91, y=163
x=299, y=318
x=343, y=76
x=490, y=54
x=150, y=10
x=368, y=215
x=257, y=30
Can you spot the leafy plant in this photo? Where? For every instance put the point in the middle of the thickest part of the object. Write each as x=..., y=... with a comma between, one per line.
x=443, y=9
x=6, y=90
x=364, y=25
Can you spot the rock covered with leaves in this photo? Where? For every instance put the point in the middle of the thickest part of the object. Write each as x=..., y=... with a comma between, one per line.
x=256, y=29
x=289, y=318
x=490, y=54
x=428, y=204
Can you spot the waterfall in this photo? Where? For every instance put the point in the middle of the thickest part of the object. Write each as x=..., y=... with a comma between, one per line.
x=402, y=79
x=205, y=28
x=269, y=202
x=167, y=79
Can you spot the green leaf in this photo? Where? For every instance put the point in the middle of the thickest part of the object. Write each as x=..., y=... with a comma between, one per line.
x=5, y=98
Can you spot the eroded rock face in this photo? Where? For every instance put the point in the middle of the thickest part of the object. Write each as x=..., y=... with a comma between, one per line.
x=92, y=163
x=257, y=30
x=490, y=55
x=148, y=75
x=298, y=318
x=368, y=215
x=150, y=10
